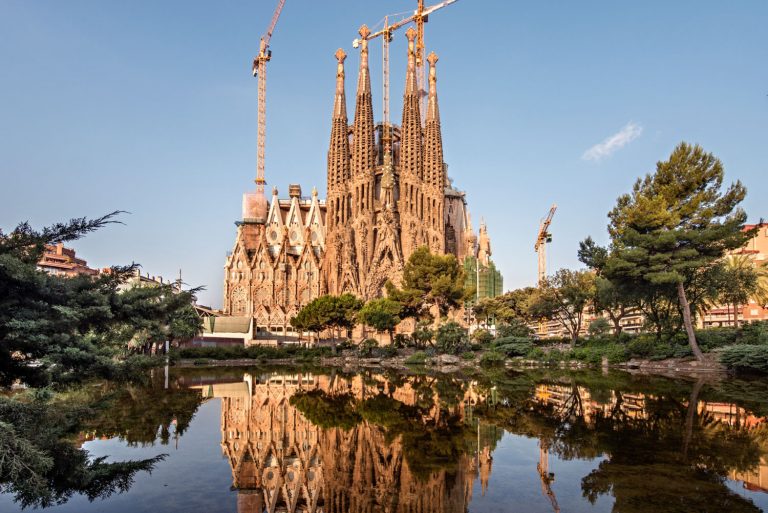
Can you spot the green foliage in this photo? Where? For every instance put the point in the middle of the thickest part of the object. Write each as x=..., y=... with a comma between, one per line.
x=468, y=355
x=402, y=340
x=41, y=466
x=598, y=327
x=667, y=234
x=255, y=352
x=58, y=329
x=381, y=314
x=492, y=359
x=417, y=358
x=429, y=280
x=326, y=410
x=563, y=298
x=451, y=338
x=513, y=346
x=482, y=337
x=512, y=306
x=328, y=312
x=746, y=358
x=513, y=328
x=367, y=346
x=423, y=334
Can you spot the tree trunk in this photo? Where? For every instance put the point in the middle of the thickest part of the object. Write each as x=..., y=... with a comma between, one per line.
x=693, y=407
x=736, y=315
x=686, y=308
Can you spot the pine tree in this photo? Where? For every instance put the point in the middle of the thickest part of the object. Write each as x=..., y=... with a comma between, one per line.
x=674, y=226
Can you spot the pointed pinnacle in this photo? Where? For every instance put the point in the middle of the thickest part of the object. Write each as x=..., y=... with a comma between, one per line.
x=410, y=34
x=364, y=32
x=340, y=55
x=432, y=58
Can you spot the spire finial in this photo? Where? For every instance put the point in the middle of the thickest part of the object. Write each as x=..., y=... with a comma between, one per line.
x=340, y=56
x=340, y=109
x=364, y=33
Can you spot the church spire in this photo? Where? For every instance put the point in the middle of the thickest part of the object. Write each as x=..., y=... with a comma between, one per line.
x=338, y=151
x=411, y=147
x=433, y=139
x=363, y=151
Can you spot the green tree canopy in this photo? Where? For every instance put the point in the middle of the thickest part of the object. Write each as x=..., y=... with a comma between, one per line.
x=673, y=226
x=563, y=297
x=55, y=328
x=381, y=314
x=430, y=281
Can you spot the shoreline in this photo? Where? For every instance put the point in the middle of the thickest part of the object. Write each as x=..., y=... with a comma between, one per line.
x=446, y=364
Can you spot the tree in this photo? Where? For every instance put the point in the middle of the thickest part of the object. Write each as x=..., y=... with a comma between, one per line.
x=381, y=314
x=563, y=297
x=329, y=312
x=676, y=223
x=55, y=328
x=739, y=281
x=432, y=280
x=610, y=297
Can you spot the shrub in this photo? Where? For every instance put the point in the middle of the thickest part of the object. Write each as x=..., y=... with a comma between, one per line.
x=402, y=340
x=417, y=358
x=423, y=335
x=746, y=358
x=389, y=351
x=451, y=338
x=755, y=333
x=492, y=359
x=482, y=337
x=367, y=346
x=513, y=346
x=469, y=355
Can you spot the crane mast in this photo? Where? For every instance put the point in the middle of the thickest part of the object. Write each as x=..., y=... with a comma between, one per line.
x=542, y=239
x=260, y=71
x=419, y=17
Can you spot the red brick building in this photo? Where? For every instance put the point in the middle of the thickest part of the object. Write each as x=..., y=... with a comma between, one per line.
x=62, y=261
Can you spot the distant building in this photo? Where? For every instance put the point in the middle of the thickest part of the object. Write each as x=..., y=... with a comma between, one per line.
x=61, y=261
x=480, y=271
x=756, y=249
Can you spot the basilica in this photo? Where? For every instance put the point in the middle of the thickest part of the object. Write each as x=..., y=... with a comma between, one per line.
x=388, y=193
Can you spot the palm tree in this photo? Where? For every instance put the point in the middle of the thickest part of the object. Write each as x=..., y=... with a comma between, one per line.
x=743, y=279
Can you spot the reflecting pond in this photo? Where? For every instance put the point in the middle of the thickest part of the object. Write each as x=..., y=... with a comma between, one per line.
x=313, y=440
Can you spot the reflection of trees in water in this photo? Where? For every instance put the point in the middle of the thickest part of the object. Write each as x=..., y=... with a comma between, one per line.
x=41, y=461
x=664, y=450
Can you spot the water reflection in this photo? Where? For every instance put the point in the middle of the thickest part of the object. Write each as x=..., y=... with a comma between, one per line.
x=346, y=443
x=331, y=442
x=371, y=444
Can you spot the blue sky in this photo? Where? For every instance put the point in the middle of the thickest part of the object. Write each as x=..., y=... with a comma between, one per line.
x=150, y=107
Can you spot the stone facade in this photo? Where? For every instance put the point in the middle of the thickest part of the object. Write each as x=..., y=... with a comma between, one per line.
x=387, y=195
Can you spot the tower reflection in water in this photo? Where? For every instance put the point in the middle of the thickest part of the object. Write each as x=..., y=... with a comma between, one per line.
x=422, y=454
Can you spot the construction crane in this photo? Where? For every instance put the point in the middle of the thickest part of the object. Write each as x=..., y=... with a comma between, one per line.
x=542, y=239
x=260, y=71
x=547, y=477
x=420, y=16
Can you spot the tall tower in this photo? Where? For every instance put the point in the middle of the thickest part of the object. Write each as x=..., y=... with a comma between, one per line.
x=434, y=166
x=411, y=202
x=338, y=207
x=363, y=183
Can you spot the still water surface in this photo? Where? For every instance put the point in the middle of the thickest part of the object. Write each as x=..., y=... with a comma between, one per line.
x=253, y=440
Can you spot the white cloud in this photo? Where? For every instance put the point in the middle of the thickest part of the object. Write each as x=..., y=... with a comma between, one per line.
x=613, y=143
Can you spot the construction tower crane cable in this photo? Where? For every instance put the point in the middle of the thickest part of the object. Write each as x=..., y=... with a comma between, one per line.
x=542, y=239
x=260, y=71
x=420, y=16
